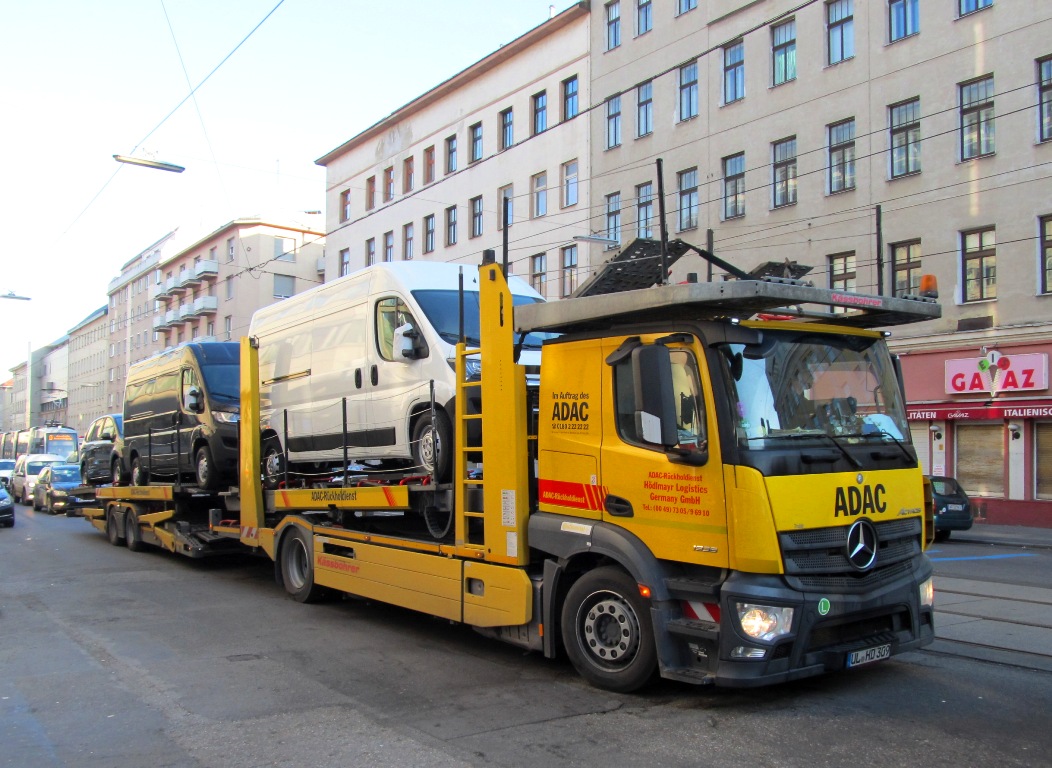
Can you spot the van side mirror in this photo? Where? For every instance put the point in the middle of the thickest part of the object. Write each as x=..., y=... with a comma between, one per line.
x=407, y=343
x=195, y=400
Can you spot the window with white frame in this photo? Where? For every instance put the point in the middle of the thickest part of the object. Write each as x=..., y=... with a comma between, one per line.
x=644, y=209
x=906, y=267
x=284, y=286
x=645, y=108
x=977, y=118
x=644, y=17
x=903, y=20
x=905, y=138
x=569, y=183
x=613, y=25
x=688, y=91
x=539, y=273
x=733, y=72
x=506, y=203
x=842, y=156
x=783, y=52
x=539, y=195
x=569, y=270
x=613, y=122
x=613, y=216
x=475, y=206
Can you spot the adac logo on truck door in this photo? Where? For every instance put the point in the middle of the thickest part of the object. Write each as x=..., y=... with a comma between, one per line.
x=570, y=411
x=860, y=499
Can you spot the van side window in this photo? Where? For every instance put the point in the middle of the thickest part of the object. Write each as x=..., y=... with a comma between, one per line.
x=391, y=313
x=189, y=381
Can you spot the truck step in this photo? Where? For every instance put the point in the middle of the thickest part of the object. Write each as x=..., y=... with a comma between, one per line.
x=692, y=628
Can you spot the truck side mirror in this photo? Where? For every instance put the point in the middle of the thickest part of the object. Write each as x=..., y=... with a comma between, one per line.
x=655, y=408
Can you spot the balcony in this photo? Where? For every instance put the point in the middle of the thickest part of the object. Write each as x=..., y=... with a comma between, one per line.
x=172, y=287
x=159, y=323
x=206, y=270
x=188, y=278
x=205, y=305
x=185, y=312
x=158, y=292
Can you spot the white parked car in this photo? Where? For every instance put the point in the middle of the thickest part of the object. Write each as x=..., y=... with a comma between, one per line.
x=24, y=478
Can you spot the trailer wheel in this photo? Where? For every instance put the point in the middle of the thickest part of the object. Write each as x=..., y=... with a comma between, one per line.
x=433, y=445
x=607, y=632
x=113, y=532
x=297, y=567
x=140, y=475
x=132, y=531
x=204, y=469
x=273, y=464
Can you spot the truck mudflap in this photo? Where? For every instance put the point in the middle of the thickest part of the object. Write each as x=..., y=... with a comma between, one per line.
x=827, y=631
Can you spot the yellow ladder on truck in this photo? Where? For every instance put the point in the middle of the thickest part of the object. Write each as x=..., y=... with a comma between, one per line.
x=496, y=532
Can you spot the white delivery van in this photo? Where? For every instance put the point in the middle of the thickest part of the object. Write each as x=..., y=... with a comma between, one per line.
x=377, y=337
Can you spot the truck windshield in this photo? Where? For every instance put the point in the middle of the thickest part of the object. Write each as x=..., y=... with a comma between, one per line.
x=442, y=311
x=801, y=384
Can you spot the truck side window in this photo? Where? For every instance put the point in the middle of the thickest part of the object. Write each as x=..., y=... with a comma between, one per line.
x=391, y=313
x=690, y=422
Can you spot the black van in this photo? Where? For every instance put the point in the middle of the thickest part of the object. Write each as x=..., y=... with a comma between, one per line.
x=181, y=413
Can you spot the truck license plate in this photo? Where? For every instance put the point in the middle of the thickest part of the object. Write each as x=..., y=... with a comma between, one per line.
x=869, y=655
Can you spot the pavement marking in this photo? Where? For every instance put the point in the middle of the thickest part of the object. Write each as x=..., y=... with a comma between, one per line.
x=979, y=557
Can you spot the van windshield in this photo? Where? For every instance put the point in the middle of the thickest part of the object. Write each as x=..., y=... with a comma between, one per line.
x=223, y=381
x=443, y=312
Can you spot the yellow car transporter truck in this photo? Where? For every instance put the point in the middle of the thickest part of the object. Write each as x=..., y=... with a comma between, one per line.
x=691, y=491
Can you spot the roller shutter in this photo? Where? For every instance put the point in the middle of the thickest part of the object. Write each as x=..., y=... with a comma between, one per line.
x=981, y=459
x=1043, y=460
x=920, y=434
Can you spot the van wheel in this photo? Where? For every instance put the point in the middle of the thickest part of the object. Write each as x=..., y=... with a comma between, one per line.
x=84, y=479
x=607, y=632
x=117, y=476
x=205, y=470
x=297, y=567
x=273, y=464
x=139, y=474
x=433, y=446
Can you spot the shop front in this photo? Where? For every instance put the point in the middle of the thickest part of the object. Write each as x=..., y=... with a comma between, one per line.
x=984, y=416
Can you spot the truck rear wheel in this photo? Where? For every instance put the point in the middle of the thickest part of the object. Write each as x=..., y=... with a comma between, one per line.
x=113, y=531
x=297, y=567
x=132, y=531
x=433, y=446
x=607, y=632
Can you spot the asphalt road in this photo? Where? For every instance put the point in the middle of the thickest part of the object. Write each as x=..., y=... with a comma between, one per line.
x=117, y=659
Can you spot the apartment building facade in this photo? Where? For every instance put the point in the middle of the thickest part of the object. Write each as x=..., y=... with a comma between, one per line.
x=87, y=373
x=430, y=181
x=870, y=141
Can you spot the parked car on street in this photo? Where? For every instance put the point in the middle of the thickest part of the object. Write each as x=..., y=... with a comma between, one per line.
x=54, y=489
x=102, y=450
x=24, y=479
x=7, y=509
x=7, y=468
x=953, y=508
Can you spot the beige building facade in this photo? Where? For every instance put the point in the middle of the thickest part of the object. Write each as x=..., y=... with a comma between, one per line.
x=88, y=356
x=430, y=180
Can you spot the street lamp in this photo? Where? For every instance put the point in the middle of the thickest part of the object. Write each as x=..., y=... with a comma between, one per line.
x=149, y=163
x=597, y=239
x=11, y=295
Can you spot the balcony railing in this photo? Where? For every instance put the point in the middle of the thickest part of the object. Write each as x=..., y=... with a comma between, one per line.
x=186, y=311
x=188, y=278
x=206, y=305
x=172, y=286
x=206, y=270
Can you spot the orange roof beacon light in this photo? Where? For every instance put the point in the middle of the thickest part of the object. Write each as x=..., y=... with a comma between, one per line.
x=929, y=286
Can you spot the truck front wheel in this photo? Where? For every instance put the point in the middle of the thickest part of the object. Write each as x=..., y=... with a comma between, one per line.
x=607, y=632
x=297, y=567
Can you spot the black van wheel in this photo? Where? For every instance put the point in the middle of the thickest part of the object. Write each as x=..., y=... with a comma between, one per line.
x=84, y=479
x=433, y=446
x=139, y=474
x=273, y=464
x=117, y=476
x=205, y=470
x=297, y=567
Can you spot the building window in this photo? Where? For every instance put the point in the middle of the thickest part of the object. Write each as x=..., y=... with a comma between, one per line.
x=540, y=112
x=906, y=267
x=613, y=216
x=783, y=52
x=979, y=256
x=475, y=143
x=905, y=138
x=785, y=172
x=734, y=72
x=842, y=273
x=451, y=154
x=977, y=118
x=842, y=156
x=389, y=246
x=841, y=28
x=569, y=270
x=429, y=233
x=228, y=327
x=284, y=249
x=451, y=225
x=644, y=210
x=570, y=98
x=370, y=251
x=476, y=216
x=429, y=165
x=370, y=193
x=388, y=189
x=570, y=183
x=506, y=205
x=229, y=250
x=284, y=286
x=644, y=17
x=688, y=91
x=688, y=199
x=407, y=242
x=613, y=25
x=613, y=122
x=1045, y=244
x=645, y=109
x=345, y=205
x=734, y=186
x=345, y=261
x=682, y=6
x=1044, y=79
x=539, y=273
x=539, y=197
x=408, y=180
x=229, y=286
x=507, y=128
x=902, y=19
x=970, y=6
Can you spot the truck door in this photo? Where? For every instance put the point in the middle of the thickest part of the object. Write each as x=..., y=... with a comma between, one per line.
x=668, y=490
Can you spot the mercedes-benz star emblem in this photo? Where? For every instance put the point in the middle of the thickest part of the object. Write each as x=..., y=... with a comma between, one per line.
x=862, y=545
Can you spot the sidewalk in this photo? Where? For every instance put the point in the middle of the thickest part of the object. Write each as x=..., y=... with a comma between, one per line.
x=1006, y=535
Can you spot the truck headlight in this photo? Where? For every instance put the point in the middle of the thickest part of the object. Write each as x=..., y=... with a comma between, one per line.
x=927, y=593
x=226, y=417
x=764, y=622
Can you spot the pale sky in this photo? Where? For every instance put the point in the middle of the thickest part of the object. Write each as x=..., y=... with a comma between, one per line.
x=83, y=80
